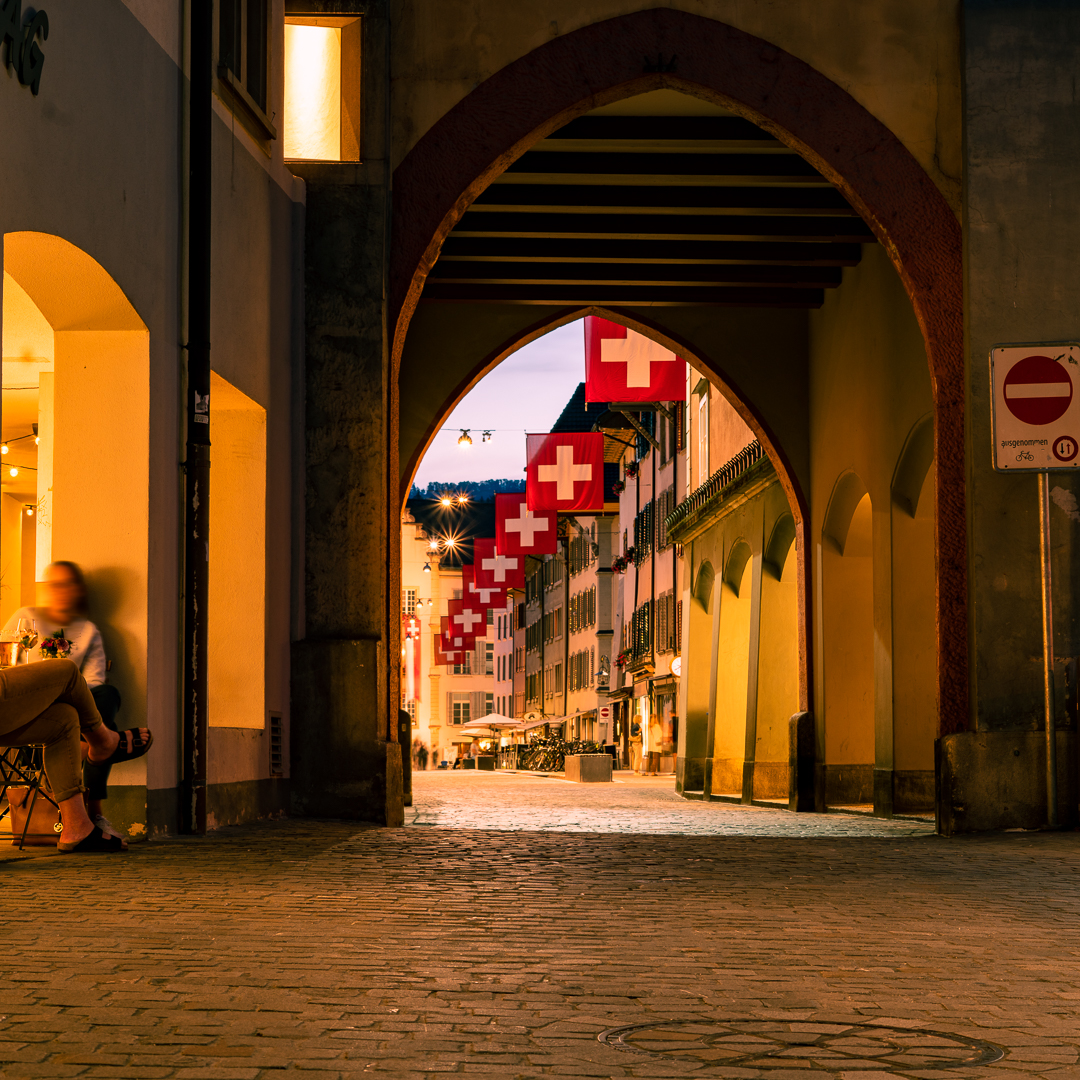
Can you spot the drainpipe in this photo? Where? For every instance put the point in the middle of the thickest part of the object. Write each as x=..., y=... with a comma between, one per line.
x=192, y=817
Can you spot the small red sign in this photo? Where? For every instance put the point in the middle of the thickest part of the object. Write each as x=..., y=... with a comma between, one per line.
x=1065, y=448
x=1038, y=390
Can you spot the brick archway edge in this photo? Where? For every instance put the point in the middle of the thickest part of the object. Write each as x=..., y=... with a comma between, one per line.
x=528, y=99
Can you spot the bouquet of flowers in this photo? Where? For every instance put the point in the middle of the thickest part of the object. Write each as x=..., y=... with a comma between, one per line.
x=56, y=646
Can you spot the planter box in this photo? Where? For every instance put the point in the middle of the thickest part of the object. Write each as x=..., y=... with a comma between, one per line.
x=589, y=768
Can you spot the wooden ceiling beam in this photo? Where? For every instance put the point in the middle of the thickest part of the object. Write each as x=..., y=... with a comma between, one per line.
x=759, y=168
x=675, y=199
x=705, y=128
x=621, y=295
x=635, y=251
x=666, y=226
x=660, y=274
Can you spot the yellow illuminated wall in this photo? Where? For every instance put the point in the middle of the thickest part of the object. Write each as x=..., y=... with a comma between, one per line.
x=237, y=601
x=313, y=92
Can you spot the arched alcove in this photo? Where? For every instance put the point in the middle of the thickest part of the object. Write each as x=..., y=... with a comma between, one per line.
x=778, y=548
x=703, y=585
x=734, y=567
x=80, y=350
x=847, y=494
x=847, y=661
x=913, y=466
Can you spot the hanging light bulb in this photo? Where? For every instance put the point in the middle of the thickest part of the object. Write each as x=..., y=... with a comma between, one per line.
x=427, y=568
x=29, y=510
x=462, y=499
x=4, y=448
x=13, y=471
x=464, y=439
x=446, y=500
x=487, y=436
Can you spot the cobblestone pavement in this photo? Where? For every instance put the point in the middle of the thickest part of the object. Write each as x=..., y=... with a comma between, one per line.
x=331, y=950
x=632, y=804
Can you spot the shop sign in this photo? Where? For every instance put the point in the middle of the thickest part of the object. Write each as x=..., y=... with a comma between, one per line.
x=23, y=51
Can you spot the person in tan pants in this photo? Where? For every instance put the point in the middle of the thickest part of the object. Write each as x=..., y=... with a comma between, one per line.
x=49, y=704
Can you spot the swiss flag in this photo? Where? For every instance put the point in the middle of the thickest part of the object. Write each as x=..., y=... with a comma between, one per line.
x=450, y=647
x=520, y=531
x=443, y=655
x=495, y=570
x=623, y=365
x=467, y=621
x=565, y=471
x=482, y=598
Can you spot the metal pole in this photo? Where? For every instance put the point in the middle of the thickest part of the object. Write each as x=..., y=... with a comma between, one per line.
x=197, y=466
x=1048, y=651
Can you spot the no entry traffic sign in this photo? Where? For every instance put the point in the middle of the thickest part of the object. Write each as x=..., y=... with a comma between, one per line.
x=1036, y=406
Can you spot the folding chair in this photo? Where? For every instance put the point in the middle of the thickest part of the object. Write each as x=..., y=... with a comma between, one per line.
x=23, y=766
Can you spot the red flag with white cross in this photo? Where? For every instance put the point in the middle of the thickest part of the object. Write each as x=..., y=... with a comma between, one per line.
x=623, y=365
x=495, y=570
x=444, y=655
x=521, y=531
x=448, y=649
x=480, y=597
x=565, y=471
x=467, y=621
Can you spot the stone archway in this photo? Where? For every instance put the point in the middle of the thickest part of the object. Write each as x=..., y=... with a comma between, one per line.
x=528, y=99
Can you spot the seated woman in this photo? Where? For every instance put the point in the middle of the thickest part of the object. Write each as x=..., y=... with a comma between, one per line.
x=49, y=704
x=65, y=608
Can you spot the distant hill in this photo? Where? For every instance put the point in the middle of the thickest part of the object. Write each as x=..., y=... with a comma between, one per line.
x=478, y=490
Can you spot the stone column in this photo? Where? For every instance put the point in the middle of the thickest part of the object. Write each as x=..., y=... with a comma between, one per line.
x=1021, y=235
x=346, y=761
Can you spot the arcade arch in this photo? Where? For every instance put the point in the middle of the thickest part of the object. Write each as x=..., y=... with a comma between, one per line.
x=456, y=161
x=76, y=371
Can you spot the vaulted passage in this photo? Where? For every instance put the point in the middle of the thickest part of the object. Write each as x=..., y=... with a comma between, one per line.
x=774, y=234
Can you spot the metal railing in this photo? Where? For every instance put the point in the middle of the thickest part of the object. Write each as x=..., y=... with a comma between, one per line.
x=726, y=475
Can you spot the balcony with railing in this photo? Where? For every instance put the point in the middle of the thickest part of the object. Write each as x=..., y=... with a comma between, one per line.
x=707, y=502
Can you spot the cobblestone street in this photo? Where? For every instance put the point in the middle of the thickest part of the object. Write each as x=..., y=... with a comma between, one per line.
x=625, y=934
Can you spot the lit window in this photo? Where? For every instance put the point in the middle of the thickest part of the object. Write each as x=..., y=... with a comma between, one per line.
x=322, y=88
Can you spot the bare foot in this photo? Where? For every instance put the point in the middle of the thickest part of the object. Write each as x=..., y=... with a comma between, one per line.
x=128, y=736
x=104, y=740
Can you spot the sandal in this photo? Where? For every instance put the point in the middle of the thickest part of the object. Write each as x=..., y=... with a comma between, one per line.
x=128, y=748
x=93, y=844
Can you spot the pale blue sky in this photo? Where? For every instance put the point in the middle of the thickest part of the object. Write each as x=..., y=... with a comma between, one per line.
x=526, y=392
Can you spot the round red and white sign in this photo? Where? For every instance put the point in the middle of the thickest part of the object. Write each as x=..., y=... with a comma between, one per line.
x=1038, y=390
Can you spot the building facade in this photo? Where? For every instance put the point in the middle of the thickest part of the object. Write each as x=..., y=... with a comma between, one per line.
x=894, y=156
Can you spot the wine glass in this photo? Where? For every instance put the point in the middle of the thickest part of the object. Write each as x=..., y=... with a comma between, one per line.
x=27, y=635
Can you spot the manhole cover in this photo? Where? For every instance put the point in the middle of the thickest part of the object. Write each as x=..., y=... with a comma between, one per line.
x=763, y=1047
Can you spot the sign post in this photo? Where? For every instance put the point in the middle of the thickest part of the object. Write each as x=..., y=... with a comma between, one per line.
x=1036, y=428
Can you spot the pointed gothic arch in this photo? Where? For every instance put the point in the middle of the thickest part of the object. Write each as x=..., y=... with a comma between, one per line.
x=501, y=118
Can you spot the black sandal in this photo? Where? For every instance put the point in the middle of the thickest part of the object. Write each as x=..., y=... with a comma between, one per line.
x=127, y=750
x=96, y=843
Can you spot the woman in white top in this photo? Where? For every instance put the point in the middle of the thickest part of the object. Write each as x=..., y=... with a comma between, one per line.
x=65, y=609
